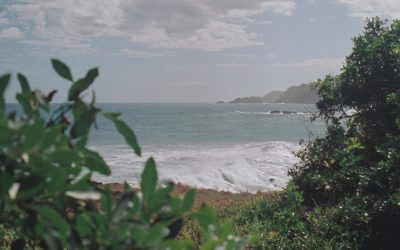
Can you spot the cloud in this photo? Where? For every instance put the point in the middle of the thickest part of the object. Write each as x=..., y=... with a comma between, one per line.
x=11, y=33
x=186, y=67
x=234, y=65
x=265, y=22
x=3, y=19
x=140, y=54
x=369, y=8
x=331, y=63
x=180, y=24
x=245, y=56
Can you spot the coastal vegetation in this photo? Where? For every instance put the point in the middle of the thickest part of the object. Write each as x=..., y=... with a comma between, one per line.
x=344, y=193
x=47, y=197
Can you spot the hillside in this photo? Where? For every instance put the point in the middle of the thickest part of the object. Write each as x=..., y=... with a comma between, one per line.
x=296, y=94
x=273, y=96
x=299, y=94
x=250, y=99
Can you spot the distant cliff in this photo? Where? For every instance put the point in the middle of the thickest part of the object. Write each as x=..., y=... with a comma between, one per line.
x=250, y=99
x=303, y=93
x=273, y=96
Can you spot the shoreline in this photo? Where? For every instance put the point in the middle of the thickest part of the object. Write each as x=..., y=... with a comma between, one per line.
x=213, y=198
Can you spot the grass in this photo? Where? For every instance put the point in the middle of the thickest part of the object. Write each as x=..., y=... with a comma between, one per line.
x=275, y=221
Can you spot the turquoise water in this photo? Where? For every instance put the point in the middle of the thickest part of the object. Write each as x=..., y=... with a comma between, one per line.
x=170, y=124
x=233, y=147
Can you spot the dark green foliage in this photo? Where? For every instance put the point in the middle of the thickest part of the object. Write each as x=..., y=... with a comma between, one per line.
x=82, y=84
x=62, y=69
x=124, y=130
x=281, y=221
x=353, y=173
x=47, y=199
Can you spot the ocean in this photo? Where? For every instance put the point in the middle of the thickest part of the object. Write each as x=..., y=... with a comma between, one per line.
x=230, y=147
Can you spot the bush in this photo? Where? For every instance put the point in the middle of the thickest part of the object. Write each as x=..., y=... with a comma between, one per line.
x=353, y=172
x=47, y=198
x=281, y=221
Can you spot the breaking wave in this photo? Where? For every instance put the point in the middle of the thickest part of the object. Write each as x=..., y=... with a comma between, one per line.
x=247, y=167
x=273, y=112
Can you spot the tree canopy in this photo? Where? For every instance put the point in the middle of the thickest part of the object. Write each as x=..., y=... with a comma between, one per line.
x=355, y=169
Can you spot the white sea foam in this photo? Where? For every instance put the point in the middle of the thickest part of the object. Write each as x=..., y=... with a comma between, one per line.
x=253, y=113
x=248, y=167
x=274, y=113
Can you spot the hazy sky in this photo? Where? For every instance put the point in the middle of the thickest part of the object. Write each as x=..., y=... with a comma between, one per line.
x=182, y=50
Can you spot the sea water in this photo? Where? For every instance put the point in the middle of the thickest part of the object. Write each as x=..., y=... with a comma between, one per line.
x=230, y=147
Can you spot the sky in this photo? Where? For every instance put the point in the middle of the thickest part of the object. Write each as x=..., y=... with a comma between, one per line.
x=181, y=50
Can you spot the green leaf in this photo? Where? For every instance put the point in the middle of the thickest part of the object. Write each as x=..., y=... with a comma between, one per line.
x=106, y=201
x=81, y=143
x=24, y=83
x=188, y=200
x=29, y=191
x=205, y=216
x=6, y=181
x=62, y=69
x=4, y=81
x=54, y=218
x=155, y=234
x=77, y=88
x=95, y=162
x=123, y=207
x=161, y=197
x=51, y=137
x=68, y=159
x=91, y=75
x=33, y=134
x=82, y=84
x=84, y=118
x=56, y=180
x=85, y=224
x=148, y=181
x=125, y=131
x=82, y=184
x=25, y=103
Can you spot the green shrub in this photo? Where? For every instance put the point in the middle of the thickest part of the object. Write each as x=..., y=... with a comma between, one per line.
x=47, y=198
x=353, y=172
x=281, y=221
